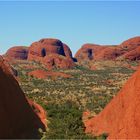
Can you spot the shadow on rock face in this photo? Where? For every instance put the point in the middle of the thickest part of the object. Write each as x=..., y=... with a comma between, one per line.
x=17, y=119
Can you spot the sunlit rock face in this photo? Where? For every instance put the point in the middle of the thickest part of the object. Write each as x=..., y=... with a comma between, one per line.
x=52, y=53
x=17, y=52
x=129, y=49
x=120, y=119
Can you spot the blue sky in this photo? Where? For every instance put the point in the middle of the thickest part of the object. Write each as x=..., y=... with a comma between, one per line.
x=74, y=23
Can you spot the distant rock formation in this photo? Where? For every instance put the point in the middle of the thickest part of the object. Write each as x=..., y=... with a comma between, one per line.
x=120, y=119
x=52, y=53
x=17, y=118
x=131, y=43
x=129, y=49
x=88, y=52
x=56, y=54
x=17, y=52
x=67, y=51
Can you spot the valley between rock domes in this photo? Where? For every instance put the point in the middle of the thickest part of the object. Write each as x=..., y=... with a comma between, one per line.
x=66, y=86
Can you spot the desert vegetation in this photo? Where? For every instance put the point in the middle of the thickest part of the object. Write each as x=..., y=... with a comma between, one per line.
x=65, y=99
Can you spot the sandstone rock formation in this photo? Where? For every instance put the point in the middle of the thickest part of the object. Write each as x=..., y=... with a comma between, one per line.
x=44, y=51
x=133, y=54
x=17, y=52
x=17, y=119
x=57, y=61
x=39, y=111
x=126, y=50
x=52, y=53
x=45, y=74
x=9, y=67
x=88, y=52
x=67, y=51
x=121, y=117
x=131, y=43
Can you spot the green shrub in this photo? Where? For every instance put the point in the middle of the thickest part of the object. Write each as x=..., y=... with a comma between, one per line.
x=65, y=121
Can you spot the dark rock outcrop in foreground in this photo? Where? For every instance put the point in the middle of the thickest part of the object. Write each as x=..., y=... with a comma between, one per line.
x=17, y=118
x=121, y=117
x=129, y=49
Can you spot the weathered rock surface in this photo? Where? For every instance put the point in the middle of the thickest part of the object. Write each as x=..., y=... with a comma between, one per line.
x=88, y=52
x=121, y=117
x=17, y=119
x=52, y=53
x=39, y=111
x=133, y=54
x=131, y=43
x=67, y=51
x=9, y=67
x=45, y=47
x=17, y=52
x=43, y=51
x=57, y=61
x=126, y=50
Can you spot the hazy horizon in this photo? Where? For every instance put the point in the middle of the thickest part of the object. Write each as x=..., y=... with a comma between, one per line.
x=74, y=23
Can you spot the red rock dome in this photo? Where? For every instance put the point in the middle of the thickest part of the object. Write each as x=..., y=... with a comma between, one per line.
x=17, y=119
x=67, y=51
x=88, y=52
x=110, y=52
x=121, y=117
x=131, y=43
x=57, y=61
x=133, y=54
x=52, y=53
x=94, y=52
x=47, y=46
x=17, y=52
